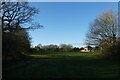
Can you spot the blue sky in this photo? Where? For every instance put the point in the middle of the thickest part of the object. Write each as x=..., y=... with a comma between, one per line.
x=66, y=22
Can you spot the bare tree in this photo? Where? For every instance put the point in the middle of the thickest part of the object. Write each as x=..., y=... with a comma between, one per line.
x=15, y=14
x=103, y=30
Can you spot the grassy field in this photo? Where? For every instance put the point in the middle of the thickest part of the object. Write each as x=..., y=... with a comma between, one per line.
x=67, y=65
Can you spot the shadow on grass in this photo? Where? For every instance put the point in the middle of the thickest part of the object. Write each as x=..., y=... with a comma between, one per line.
x=63, y=66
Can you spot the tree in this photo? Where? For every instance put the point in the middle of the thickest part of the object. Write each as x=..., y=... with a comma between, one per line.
x=76, y=49
x=103, y=30
x=38, y=47
x=65, y=47
x=16, y=14
x=81, y=48
x=15, y=44
x=50, y=47
x=16, y=20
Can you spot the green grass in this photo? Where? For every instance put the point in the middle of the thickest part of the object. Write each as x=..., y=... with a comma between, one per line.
x=73, y=55
x=62, y=65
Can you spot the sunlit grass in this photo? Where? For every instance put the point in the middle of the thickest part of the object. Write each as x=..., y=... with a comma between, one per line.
x=39, y=56
x=65, y=55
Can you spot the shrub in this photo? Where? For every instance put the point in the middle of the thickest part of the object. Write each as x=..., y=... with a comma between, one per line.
x=14, y=44
x=112, y=52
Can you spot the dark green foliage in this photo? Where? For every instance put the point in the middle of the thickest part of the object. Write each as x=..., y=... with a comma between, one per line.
x=97, y=49
x=14, y=44
x=112, y=52
x=118, y=49
x=9, y=46
x=75, y=49
x=115, y=51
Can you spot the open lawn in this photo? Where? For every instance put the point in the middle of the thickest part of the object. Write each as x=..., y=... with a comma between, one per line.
x=68, y=65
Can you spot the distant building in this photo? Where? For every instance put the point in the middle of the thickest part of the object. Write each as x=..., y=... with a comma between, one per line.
x=85, y=50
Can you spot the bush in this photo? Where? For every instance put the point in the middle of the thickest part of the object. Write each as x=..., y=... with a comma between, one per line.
x=112, y=52
x=14, y=44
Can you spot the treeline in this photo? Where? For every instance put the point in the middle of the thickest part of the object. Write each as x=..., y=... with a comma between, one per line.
x=53, y=47
x=59, y=48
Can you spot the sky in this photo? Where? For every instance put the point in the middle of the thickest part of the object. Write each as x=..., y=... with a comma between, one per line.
x=66, y=22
